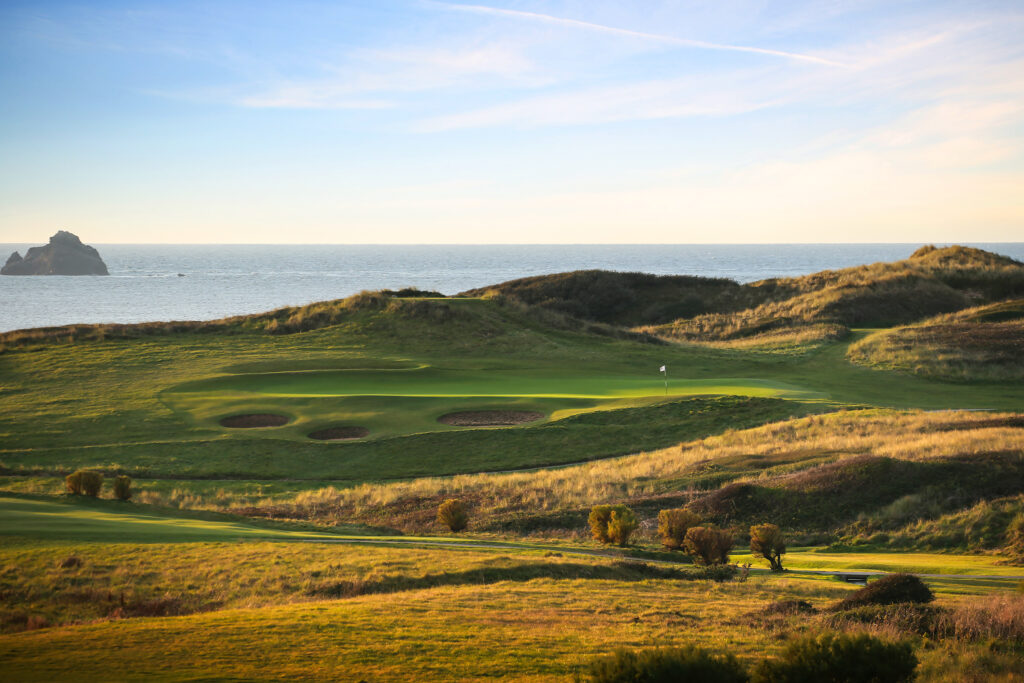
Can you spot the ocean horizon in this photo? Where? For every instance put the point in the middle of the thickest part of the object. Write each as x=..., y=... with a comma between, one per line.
x=151, y=282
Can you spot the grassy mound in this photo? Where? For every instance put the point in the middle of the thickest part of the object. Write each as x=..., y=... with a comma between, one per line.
x=930, y=282
x=984, y=343
x=888, y=590
x=815, y=307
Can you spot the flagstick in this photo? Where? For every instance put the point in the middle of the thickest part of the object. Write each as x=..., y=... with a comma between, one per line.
x=666, y=380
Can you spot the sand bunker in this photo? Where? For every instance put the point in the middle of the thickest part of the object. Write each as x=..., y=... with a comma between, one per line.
x=252, y=420
x=339, y=433
x=487, y=418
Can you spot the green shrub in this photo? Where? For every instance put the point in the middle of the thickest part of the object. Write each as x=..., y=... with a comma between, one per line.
x=622, y=524
x=838, y=657
x=888, y=590
x=708, y=545
x=767, y=541
x=123, y=488
x=673, y=525
x=453, y=514
x=612, y=523
x=84, y=483
x=599, y=517
x=666, y=664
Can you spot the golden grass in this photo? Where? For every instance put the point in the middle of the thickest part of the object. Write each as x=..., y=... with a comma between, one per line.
x=901, y=435
x=982, y=343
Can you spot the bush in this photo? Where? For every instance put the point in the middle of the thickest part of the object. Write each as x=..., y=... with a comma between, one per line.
x=123, y=488
x=612, y=523
x=599, y=517
x=73, y=483
x=84, y=483
x=708, y=545
x=840, y=657
x=666, y=664
x=767, y=541
x=889, y=590
x=673, y=525
x=453, y=514
x=622, y=524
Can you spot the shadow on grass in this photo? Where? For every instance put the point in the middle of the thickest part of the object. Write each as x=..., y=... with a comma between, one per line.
x=525, y=571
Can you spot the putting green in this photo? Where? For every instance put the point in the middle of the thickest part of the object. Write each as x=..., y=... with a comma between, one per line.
x=409, y=399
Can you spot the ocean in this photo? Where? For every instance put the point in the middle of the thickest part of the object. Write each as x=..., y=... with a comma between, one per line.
x=202, y=282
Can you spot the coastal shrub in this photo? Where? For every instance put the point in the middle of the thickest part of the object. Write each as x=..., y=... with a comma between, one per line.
x=123, y=488
x=767, y=541
x=612, y=523
x=839, y=657
x=673, y=525
x=84, y=483
x=622, y=524
x=453, y=514
x=889, y=590
x=687, y=663
x=708, y=545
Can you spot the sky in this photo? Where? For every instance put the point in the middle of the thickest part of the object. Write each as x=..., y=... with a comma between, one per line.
x=520, y=121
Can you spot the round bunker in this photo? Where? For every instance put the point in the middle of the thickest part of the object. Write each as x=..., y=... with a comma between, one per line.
x=254, y=420
x=339, y=433
x=490, y=418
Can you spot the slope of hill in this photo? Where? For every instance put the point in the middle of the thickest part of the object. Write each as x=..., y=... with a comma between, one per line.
x=817, y=306
x=981, y=343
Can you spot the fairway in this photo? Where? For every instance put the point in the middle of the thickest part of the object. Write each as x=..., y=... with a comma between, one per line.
x=393, y=401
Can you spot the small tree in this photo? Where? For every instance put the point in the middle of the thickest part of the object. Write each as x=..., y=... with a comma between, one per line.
x=708, y=545
x=612, y=523
x=767, y=541
x=622, y=524
x=123, y=488
x=453, y=514
x=673, y=525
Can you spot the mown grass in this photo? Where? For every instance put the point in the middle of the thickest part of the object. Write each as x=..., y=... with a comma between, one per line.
x=110, y=405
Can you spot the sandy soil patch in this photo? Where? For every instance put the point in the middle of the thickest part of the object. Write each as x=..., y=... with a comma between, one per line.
x=252, y=420
x=487, y=418
x=339, y=433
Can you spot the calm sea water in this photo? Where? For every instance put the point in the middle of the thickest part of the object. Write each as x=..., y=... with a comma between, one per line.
x=232, y=279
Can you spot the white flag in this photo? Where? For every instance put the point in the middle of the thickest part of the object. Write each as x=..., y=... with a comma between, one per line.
x=662, y=369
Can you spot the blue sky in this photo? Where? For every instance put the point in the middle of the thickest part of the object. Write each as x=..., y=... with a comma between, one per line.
x=512, y=122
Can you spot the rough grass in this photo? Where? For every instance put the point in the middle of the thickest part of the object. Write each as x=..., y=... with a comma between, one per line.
x=121, y=580
x=984, y=343
x=810, y=473
x=930, y=282
x=274, y=611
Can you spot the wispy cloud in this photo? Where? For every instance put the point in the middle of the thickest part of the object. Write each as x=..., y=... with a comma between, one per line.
x=627, y=33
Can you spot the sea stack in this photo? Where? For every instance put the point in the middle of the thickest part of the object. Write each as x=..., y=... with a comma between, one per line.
x=64, y=255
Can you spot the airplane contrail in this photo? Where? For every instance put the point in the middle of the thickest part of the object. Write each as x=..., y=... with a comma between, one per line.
x=671, y=40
